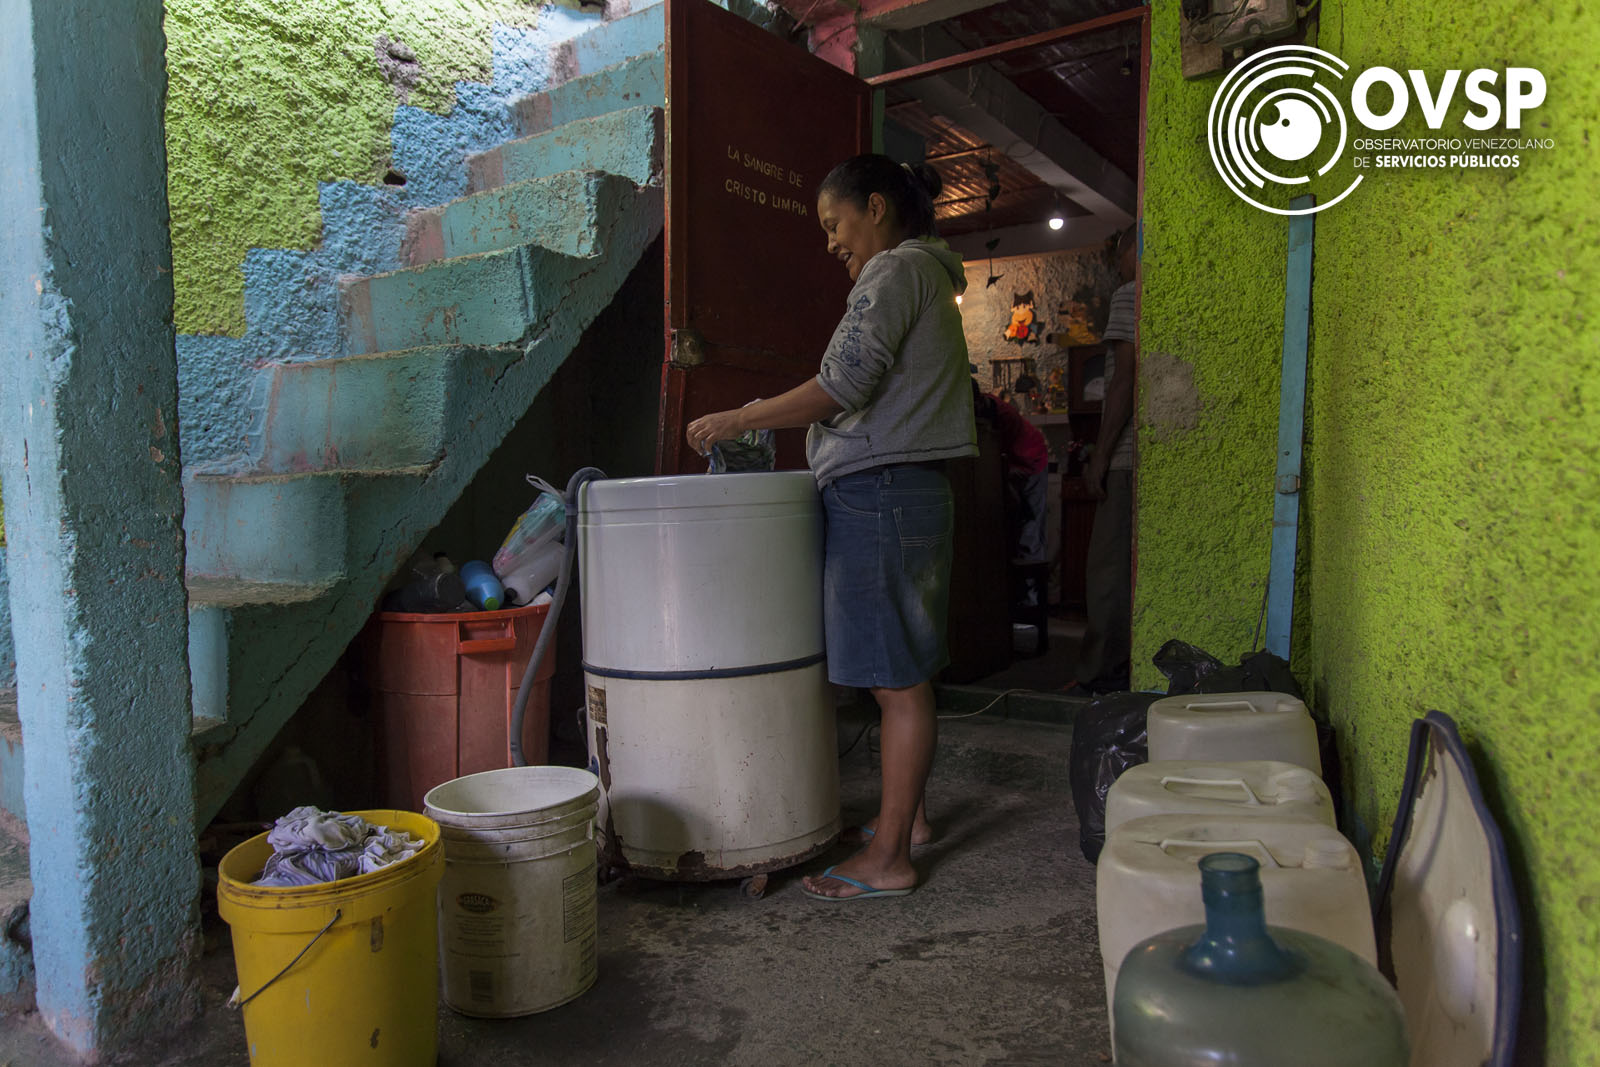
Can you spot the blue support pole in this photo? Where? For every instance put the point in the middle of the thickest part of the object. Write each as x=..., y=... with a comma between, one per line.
x=1291, y=430
x=94, y=516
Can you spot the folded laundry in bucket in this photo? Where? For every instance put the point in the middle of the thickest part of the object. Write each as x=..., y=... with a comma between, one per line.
x=310, y=846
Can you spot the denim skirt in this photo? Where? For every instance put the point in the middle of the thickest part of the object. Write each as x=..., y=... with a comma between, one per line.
x=886, y=576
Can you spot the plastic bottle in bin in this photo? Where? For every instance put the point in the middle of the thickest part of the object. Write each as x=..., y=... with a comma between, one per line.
x=434, y=587
x=483, y=588
x=534, y=574
x=1239, y=992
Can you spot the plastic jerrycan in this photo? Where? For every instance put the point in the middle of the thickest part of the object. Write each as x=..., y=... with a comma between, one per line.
x=1237, y=789
x=1233, y=726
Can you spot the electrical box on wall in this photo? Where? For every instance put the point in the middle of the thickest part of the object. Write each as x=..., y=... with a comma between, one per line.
x=1256, y=20
x=1216, y=32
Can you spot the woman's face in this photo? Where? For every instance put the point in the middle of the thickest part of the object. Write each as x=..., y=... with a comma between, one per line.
x=855, y=235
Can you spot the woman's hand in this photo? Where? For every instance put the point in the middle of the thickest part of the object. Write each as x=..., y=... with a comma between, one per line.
x=707, y=430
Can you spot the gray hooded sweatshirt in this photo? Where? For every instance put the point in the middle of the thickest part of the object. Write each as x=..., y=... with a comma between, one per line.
x=898, y=365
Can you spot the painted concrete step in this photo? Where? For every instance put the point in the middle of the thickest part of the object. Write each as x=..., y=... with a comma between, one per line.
x=636, y=82
x=217, y=608
x=493, y=298
x=564, y=212
x=635, y=34
x=390, y=409
x=288, y=528
x=628, y=142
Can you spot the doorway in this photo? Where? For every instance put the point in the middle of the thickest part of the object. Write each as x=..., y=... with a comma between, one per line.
x=1037, y=129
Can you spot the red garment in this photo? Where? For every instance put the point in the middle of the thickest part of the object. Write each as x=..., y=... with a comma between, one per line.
x=1022, y=442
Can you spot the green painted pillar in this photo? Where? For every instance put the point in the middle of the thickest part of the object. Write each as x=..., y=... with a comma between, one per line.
x=94, y=518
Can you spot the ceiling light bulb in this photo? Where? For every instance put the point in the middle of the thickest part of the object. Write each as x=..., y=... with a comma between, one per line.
x=958, y=298
x=1056, y=222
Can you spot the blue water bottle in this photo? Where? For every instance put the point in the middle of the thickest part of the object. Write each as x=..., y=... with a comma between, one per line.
x=483, y=588
x=1240, y=992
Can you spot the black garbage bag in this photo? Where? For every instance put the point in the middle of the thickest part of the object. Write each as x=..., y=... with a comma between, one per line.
x=1257, y=672
x=1108, y=737
x=1185, y=666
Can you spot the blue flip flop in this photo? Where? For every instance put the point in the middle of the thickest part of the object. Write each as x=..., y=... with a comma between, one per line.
x=867, y=891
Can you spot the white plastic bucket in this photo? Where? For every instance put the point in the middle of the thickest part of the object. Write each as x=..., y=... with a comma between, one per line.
x=1241, y=789
x=1148, y=880
x=1213, y=727
x=517, y=903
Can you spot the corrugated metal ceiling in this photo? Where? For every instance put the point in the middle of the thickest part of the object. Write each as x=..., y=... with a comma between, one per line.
x=1089, y=84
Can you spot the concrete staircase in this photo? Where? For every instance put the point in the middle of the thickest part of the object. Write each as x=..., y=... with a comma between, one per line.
x=361, y=453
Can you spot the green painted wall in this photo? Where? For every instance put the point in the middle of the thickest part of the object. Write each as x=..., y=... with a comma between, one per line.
x=1208, y=382
x=267, y=98
x=1450, y=556
x=1455, y=531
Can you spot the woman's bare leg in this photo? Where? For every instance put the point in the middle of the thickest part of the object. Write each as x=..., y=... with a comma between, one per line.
x=910, y=730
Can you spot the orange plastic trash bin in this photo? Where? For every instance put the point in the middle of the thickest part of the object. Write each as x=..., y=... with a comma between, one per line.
x=443, y=687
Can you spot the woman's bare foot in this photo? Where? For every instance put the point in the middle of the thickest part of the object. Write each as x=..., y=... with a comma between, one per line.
x=921, y=832
x=864, y=867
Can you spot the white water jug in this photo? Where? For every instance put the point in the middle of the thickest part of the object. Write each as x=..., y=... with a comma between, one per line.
x=535, y=571
x=1238, y=789
x=1233, y=726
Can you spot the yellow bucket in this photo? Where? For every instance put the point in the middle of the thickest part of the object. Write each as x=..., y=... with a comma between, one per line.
x=342, y=973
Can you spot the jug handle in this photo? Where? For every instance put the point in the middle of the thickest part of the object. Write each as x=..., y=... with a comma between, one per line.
x=507, y=642
x=1243, y=705
x=1267, y=859
x=1250, y=794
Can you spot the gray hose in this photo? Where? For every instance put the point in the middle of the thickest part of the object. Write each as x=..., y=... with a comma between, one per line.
x=547, y=632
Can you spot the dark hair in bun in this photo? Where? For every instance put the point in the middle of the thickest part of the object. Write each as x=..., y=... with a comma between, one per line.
x=908, y=188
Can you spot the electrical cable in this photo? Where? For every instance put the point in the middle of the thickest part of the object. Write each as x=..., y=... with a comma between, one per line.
x=986, y=707
x=964, y=715
x=1261, y=618
x=859, y=735
x=1233, y=16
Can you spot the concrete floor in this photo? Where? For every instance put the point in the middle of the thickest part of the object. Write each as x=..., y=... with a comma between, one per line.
x=993, y=960
x=1047, y=672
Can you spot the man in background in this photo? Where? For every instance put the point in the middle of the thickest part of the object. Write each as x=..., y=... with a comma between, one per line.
x=1103, y=658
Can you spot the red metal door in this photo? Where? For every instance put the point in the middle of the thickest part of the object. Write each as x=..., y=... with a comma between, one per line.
x=753, y=125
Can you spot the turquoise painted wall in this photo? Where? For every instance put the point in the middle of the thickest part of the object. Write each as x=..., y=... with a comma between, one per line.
x=290, y=131
x=269, y=99
x=1450, y=556
x=88, y=399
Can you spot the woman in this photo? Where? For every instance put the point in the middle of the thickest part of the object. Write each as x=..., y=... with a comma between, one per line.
x=890, y=404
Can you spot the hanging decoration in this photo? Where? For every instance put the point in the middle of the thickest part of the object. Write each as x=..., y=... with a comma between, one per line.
x=991, y=171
